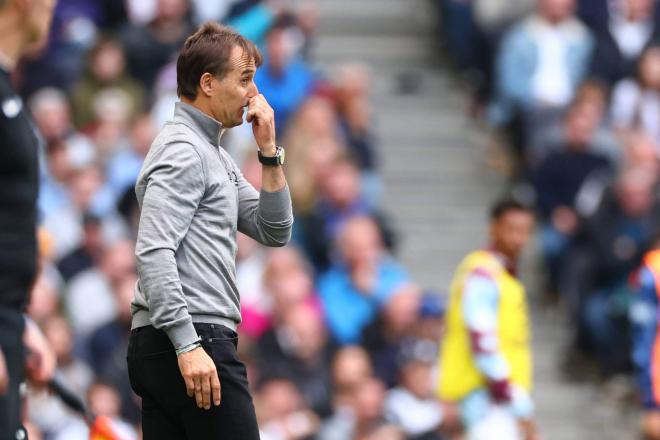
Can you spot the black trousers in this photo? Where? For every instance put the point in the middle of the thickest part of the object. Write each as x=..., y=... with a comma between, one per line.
x=11, y=343
x=167, y=411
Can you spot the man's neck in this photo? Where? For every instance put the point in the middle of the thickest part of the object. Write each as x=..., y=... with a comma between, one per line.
x=511, y=265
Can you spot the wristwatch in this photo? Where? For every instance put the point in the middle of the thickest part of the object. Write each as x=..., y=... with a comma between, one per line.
x=276, y=160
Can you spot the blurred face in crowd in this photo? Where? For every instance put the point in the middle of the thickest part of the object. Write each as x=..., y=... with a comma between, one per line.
x=143, y=133
x=58, y=334
x=104, y=400
x=641, y=153
x=307, y=331
x=556, y=11
x=118, y=261
x=361, y=243
x=350, y=366
x=318, y=117
x=286, y=278
x=85, y=182
x=635, y=192
x=108, y=62
x=511, y=232
x=649, y=68
x=401, y=311
x=638, y=9
x=384, y=432
x=51, y=113
x=416, y=377
x=229, y=95
x=280, y=47
x=171, y=10
x=341, y=184
x=369, y=396
x=44, y=300
x=278, y=398
x=581, y=123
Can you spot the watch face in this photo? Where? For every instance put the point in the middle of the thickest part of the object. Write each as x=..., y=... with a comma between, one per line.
x=280, y=157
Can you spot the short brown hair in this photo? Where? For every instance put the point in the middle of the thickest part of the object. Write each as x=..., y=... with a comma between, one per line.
x=208, y=50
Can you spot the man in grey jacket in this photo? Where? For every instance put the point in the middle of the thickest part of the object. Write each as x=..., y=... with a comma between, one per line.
x=193, y=199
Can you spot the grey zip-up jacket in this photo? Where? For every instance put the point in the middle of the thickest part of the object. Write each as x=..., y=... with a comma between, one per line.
x=193, y=199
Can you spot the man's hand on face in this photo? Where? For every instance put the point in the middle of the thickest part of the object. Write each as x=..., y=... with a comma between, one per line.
x=201, y=377
x=262, y=117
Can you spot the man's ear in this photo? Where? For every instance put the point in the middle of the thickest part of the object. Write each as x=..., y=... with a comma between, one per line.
x=206, y=84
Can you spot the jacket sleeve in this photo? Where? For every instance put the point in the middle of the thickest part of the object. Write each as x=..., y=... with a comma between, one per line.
x=267, y=216
x=174, y=188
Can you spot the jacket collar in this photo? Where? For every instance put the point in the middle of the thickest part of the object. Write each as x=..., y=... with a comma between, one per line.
x=192, y=116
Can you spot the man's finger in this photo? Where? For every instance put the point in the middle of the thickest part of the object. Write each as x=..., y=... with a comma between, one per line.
x=215, y=389
x=206, y=392
x=190, y=385
x=198, y=391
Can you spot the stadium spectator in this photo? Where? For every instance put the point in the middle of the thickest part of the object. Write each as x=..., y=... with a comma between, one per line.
x=620, y=40
x=608, y=247
x=541, y=62
x=297, y=348
x=285, y=80
x=356, y=288
x=636, y=100
x=557, y=181
x=106, y=69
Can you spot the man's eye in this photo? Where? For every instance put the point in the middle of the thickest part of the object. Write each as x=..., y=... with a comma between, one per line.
x=244, y=81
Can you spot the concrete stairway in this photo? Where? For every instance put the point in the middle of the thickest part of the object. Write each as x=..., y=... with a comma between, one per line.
x=437, y=188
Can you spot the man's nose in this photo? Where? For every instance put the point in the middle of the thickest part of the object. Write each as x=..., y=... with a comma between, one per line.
x=253, y=91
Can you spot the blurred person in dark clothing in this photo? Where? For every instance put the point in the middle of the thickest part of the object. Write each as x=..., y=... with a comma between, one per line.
x=592, y=97
x=632, y=26
x=485, y=359
x=608, y=247
x=557, y=181
x=340, y=198
x=25, y=26
x=297, y=348
x=352, y=99
x=88, y=253
x=150, y=47
x=383, y=338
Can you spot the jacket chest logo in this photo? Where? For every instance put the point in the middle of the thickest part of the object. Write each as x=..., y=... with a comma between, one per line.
x=233, y=177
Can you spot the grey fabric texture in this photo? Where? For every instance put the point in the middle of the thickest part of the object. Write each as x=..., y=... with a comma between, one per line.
x=193, y=198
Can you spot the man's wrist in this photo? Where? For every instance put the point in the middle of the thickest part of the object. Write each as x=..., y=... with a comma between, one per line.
x=189, y=347
x=269, y=151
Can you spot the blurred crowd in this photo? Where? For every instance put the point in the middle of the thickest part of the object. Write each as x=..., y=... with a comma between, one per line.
x=338, y=340
x=573, y=87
